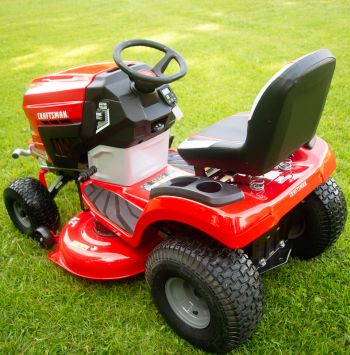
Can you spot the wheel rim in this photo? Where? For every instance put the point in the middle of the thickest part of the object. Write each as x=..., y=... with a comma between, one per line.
x=187, y=303
x=21, y=215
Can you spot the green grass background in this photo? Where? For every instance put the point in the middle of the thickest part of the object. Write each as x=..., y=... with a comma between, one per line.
x=232, y=48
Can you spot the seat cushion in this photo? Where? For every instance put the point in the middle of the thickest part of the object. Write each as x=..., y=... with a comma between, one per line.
x=204, y=145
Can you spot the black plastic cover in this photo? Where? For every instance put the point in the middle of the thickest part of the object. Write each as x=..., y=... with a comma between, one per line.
x=200, y=189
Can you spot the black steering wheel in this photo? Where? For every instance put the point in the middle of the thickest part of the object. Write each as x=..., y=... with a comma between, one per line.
x=148, y=83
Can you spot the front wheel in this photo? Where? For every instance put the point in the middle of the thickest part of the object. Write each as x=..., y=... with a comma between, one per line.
x=30, y=205
x=319, y=220
x=210, y=295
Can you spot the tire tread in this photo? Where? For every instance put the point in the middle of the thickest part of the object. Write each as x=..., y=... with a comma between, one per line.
x=231, y=276
x=41, y=207
x=327, y=203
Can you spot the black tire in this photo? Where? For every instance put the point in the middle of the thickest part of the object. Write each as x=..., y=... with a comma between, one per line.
x=30, y=206
x=322, y=216
x=224, y=279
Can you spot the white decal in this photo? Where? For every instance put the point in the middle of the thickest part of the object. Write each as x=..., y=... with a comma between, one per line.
x=170, y=174
x=74, y=221
x=102, y=116
x=177, y=112
x=54, y=115
x=80, y=245
x=297, y=189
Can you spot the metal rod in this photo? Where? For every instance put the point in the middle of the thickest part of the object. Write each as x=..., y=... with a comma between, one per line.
x=19, y=151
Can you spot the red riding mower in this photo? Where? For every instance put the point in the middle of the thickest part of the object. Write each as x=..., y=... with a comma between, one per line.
x=203, y=222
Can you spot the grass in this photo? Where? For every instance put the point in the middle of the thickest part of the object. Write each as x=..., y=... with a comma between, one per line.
x=232, y=48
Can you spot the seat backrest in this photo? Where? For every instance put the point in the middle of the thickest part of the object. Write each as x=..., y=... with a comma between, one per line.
x=287, y=111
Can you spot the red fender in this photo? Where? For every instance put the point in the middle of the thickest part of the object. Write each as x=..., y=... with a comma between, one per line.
x=238, y=224
x=212, y=221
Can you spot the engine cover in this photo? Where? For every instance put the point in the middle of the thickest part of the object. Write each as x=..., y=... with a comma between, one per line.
x=76, y=110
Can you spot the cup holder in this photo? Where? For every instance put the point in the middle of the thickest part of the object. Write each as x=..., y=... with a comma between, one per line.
x=183, y=181
x=200, y=189
x=209, y=187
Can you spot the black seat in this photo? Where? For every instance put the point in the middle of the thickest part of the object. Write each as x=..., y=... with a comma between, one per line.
x=284, y=116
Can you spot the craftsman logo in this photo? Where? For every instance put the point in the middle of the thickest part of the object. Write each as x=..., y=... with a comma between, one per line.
x=54, y=115
x=297, y=189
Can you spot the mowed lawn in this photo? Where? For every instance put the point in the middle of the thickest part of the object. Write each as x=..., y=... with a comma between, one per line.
x=232, y=48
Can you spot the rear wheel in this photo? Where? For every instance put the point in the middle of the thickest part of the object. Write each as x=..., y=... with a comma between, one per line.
x=30, y=206
x=318, y=221
x=210, y=295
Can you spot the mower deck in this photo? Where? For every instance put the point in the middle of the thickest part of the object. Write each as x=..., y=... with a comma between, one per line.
x=84, y=253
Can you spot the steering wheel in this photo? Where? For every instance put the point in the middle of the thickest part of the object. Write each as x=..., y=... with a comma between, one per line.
x=148, y=83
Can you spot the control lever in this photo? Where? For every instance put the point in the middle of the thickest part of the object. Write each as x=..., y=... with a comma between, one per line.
x=87, y=173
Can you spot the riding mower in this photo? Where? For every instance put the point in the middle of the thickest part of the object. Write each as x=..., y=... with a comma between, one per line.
x=204, y=221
